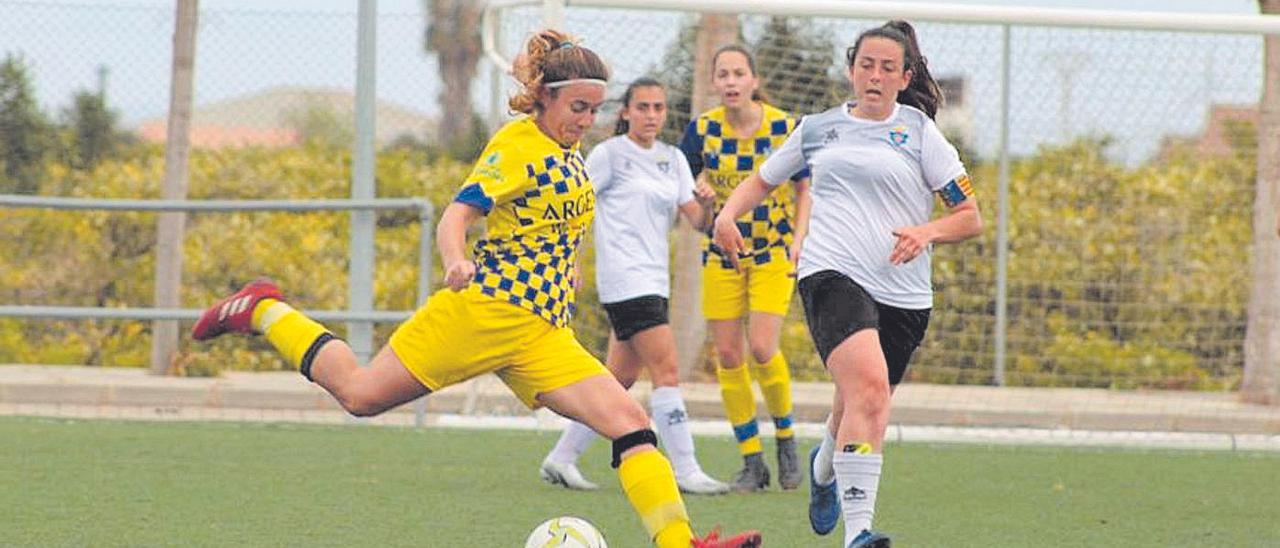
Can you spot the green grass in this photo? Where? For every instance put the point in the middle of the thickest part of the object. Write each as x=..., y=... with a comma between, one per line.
x=107, y=483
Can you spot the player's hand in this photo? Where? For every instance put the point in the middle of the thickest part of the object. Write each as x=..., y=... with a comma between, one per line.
x=458, y=274
x=726, y=237
x=704, y=195
x=796, y=243
x=912, y=241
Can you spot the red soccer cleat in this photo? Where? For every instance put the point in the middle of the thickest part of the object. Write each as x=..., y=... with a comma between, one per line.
x=234, y=314
x=749, y=539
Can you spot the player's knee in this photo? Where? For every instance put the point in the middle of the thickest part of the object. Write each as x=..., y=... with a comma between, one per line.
x=730, y=358
x=868, y=398
x=633, y=416
x=635, y=440
x=762, y=352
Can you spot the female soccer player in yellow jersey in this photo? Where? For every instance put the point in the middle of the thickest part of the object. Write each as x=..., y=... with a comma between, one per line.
x=506, y=309
x=724, y=145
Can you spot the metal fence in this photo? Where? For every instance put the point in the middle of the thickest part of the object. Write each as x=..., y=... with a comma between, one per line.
x=1083, y=128
x=1112, y=151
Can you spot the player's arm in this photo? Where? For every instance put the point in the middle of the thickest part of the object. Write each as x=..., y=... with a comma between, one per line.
x=749, y=193
x=962, y=221
x=946, y=177
x=451, y=240
x=783, y=164
x=804, y=206
x=700, y=214
x=701, y=210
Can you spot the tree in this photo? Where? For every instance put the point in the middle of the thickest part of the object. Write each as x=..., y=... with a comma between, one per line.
x=92, y=127
x=792, y=57
x=795, y=61
x=1261, y=383
x=26, y=136
x=453, y=34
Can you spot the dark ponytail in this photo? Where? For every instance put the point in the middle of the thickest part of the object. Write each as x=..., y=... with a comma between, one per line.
x=622, y=126
x=922, y=92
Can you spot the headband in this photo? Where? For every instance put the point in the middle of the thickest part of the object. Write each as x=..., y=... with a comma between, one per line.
x=570, y=82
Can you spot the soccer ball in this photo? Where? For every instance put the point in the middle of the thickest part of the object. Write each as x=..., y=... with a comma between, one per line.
x=566, y=532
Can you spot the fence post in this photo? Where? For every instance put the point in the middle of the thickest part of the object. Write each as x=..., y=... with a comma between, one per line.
x=172, y=225
x=426, y=215
x=1002, y=221
x=360, y=271
x=687, y=321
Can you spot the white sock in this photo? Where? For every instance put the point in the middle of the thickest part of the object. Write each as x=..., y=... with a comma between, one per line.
x=672, y=422
x=823, y=472
x=858, y=477
x=573, y=441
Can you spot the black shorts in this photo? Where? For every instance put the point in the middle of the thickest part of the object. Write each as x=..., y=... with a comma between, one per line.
x=836, y=307
x=635, y=315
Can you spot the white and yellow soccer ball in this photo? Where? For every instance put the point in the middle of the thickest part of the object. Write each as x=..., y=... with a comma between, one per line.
x=565, y=532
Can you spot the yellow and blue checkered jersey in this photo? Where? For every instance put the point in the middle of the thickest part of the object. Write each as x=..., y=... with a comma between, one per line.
x=711, y=146
x=539, y=203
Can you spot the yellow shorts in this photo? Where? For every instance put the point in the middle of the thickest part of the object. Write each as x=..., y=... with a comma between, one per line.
x=767, y=287
x=457, y=336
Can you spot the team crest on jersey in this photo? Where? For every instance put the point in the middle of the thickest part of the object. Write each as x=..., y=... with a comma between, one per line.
x=490, y=168
x=831, y=136
x=665, y=166
x=898, y=135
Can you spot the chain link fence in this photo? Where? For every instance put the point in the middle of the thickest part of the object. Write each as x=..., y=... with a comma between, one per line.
x=1132, y=167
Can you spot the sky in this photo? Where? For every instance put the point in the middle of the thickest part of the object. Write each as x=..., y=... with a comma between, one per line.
x=1138, y=85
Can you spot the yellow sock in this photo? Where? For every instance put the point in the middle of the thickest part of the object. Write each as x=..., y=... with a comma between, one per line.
x=775, y=382
x=286, y=329
x=740, y=407
x=650, y=485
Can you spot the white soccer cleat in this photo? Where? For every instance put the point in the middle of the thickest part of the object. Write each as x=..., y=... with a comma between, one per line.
x=699, y=483
x=565, y=475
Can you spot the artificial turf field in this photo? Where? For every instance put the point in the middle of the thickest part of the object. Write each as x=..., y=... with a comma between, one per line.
x=111, y=483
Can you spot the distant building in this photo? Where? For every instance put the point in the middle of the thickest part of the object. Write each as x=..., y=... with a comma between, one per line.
x=274, y=118
x=1215, y=140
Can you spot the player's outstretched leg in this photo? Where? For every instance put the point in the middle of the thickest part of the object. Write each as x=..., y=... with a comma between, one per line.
x=749, y=539
x=259, y=308
x=234, y=314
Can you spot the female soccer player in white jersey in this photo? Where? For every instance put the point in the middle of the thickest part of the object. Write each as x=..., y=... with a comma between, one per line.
x=640, y=184
x=864, y=273
x=505, y=310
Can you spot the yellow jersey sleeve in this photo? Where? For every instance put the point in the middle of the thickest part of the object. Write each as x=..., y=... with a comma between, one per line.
x=497, y=175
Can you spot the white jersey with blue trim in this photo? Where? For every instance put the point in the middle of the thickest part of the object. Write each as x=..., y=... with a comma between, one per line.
x=638, y=191
x=868, y=178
